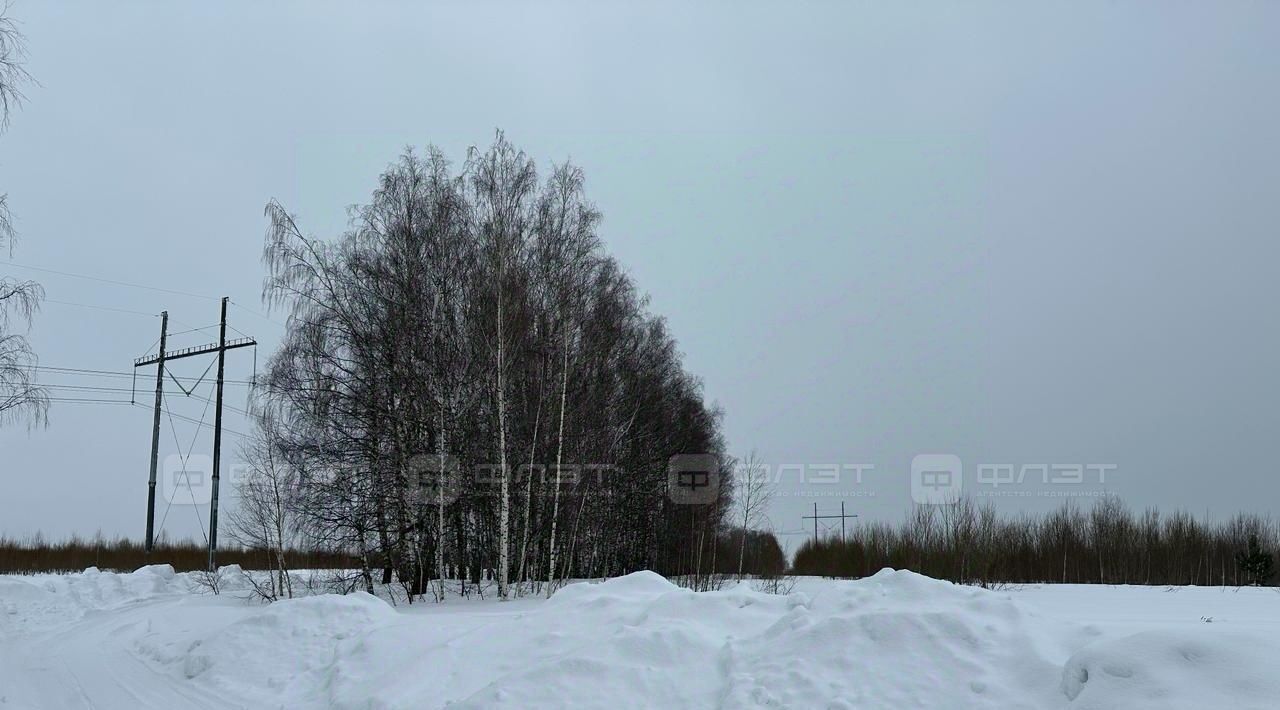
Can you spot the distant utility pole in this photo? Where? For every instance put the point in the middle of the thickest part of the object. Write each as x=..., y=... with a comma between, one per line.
x=815, y=517
x=221, y=348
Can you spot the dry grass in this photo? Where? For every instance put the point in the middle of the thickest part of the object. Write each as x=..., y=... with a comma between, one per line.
x=124, y=555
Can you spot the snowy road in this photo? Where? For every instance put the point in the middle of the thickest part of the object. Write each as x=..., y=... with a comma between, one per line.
x=69, y=657
x=151, y=640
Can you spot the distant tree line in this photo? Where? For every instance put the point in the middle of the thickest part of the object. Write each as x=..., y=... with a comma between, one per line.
x=1106, y=544
x=470, y=387
x=75, y=554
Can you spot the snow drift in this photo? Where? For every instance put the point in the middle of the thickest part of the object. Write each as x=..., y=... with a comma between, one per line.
x=893, y=640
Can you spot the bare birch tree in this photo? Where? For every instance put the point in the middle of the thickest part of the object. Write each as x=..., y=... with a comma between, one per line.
x=566, y=240
x=753, y=491
x=263, y=518
x=20, y=396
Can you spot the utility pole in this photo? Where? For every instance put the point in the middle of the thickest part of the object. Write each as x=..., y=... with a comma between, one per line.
x=841, y=521
x=155, y=435
x=217, y=439
x=220, y=348
x=817, y=517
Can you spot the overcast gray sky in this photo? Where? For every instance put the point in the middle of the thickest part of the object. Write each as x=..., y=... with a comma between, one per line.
x=1017, y=232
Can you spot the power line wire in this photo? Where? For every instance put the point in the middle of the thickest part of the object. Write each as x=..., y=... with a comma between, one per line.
x=91, y=390
x=117, y=282
x=111, y=281
x=263, y=316
x=79, y=400
x=86, y=372
x=85, y=388
x=99, y=308
x=185, y=418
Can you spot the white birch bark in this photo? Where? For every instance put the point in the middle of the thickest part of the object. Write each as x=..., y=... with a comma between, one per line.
x=504, y=510
x=555, y=507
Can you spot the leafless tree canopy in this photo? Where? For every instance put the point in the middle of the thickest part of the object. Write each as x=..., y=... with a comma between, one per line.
x=13, y=74
x=20, y=397
x=470, y=387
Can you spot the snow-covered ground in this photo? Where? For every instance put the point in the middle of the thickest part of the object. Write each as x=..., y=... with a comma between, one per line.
x=151, y=639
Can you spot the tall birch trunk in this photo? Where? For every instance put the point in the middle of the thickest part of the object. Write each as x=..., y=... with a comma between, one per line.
x=555, y=506
x=504, y=510
x=528, y=498
x=440, y=449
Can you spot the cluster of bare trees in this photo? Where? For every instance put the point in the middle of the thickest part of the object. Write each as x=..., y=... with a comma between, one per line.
x=20, y=396
x=470, y=388
x=1107, y=544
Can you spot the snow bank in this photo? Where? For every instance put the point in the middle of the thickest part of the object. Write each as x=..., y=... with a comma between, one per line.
x=284, y=646
x=896, y=639
x=46, y=601
x=93, y=589
x=26, y=607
